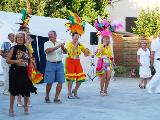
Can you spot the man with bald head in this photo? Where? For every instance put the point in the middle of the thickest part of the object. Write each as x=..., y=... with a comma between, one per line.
x=5, y=48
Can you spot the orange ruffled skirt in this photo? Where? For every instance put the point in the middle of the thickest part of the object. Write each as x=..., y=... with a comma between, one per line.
x=74, y=70
x=34, y=75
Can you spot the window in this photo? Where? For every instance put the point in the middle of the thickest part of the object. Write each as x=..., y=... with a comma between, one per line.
x=109, y=1
x=130, y=23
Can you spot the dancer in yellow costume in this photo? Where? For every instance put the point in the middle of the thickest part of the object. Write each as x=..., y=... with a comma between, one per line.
x=105, y=53
x=74, y=70
x=104, y=65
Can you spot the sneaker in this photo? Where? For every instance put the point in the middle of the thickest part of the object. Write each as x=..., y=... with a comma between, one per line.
x=58, y=101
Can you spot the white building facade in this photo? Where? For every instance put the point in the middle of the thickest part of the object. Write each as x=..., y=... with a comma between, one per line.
x=127, y=10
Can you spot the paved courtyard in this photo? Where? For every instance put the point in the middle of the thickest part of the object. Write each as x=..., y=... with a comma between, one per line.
x=125, y=102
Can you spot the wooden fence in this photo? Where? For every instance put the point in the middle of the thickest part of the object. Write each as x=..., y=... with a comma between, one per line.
x=125, y=50
x=130, y=47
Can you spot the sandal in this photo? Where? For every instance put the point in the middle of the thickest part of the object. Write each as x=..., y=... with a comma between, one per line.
x=73, y=91
x=26, y=111
x=58, y=101
x=140, y=86
x=101, y=93
x=76, y=97
x=144, y=87
x=105, y=93
x=47, y=100
x=11, y=114
x=71, y=97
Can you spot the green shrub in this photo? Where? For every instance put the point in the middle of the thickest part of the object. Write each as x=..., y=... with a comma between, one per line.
x=120, y=70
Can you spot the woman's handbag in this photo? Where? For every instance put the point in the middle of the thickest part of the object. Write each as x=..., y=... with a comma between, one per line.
x=153, y=71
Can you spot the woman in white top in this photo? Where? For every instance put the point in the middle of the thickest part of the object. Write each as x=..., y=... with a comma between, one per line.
x=143, y=59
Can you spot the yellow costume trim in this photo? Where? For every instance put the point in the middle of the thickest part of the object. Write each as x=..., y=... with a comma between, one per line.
x=105, y=51
x=82, y=78
x=80, y=74
x=77, y=52
x=30, y=49
x=74, y=74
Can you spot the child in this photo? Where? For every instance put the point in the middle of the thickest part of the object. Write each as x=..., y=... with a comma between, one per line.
x=133, y=72
x=143, y=59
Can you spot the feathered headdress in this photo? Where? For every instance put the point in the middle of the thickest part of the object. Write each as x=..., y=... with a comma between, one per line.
x=75, y=24
x=26, y=15
x=105, y=28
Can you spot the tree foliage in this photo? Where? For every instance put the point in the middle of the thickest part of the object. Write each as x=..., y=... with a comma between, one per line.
x=88, y=10
x=148, y=23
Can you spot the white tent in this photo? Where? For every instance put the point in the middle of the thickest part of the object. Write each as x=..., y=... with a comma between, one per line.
x=40, y=26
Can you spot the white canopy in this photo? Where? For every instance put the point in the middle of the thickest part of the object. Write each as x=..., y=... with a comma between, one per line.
x=40, y=26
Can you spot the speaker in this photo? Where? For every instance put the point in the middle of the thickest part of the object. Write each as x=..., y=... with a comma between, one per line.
x=93, y=38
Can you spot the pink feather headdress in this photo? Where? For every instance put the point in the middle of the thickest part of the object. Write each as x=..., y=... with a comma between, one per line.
x=105, y=28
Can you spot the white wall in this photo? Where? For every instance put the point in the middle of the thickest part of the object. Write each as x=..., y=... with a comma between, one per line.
x=129, y=8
